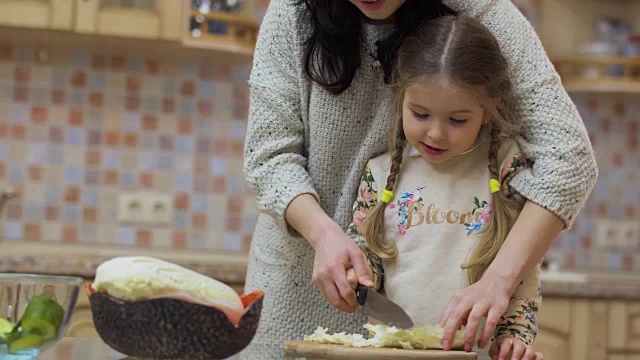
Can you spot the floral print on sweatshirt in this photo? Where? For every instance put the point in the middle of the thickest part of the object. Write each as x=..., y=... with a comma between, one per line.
x=404, y=203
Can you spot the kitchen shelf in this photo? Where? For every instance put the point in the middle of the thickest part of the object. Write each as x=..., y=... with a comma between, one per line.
x=50, y=45
x=602, y=86
x=224, y=32
x=589, y=74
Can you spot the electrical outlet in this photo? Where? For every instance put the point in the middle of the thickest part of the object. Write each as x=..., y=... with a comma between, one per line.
x=130, y=208
x=158, y=209
x=617, y=234
x=145, y=208
x=607, y=234
x=630, y=233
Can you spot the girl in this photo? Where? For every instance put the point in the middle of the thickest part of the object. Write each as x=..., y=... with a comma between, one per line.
x=319, y=111
x=441, y=199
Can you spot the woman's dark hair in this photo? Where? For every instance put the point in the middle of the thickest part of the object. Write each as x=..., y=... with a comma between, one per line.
x=332, y=52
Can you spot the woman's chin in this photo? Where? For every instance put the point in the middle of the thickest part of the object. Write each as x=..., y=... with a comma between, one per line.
x=379, y=11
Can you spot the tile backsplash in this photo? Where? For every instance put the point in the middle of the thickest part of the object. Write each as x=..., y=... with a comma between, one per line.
x=613, y=125
x=84, y=127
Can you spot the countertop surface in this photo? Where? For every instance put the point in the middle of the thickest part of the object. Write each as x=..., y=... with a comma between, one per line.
x=71, y=348
x=230, y=267
x=74, y=348
x=591, y=284
x=82, y=260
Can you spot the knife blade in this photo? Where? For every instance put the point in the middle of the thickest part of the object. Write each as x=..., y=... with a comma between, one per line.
x=379, y=307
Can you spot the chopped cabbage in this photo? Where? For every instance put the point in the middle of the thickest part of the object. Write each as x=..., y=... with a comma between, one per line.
x=426, y=337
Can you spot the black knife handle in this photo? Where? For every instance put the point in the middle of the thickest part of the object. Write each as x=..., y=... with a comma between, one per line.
x=361, y=293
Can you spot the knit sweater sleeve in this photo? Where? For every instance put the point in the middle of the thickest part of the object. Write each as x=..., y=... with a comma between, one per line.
x=274, y=160
x=553, y=136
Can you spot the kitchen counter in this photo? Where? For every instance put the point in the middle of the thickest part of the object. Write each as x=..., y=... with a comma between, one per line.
x=591, y=284
x=71, y=348
x=82, y=260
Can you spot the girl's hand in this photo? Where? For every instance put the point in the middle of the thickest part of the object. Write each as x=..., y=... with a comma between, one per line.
x=335, y=254
x=486, y=298
x=510, y=348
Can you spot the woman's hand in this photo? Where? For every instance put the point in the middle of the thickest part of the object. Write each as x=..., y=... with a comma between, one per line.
x=509, y=348
x=336, y=254
x=352, y=278
x=486, y=298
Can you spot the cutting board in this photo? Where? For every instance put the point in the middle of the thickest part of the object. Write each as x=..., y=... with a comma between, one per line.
x=311, y=350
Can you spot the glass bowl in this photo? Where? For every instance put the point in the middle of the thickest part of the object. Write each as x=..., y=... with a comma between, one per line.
x=35, y=311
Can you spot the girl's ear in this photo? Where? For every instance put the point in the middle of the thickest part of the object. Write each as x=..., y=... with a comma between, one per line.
x=490, y=109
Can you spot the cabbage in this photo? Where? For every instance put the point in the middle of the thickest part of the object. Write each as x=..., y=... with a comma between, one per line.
x=138, y=278
x=388, y=336
x=430, y=337
x=426, y=337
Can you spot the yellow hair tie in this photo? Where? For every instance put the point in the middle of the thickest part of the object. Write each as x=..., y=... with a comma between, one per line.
x=494, y=185
x=387, y=195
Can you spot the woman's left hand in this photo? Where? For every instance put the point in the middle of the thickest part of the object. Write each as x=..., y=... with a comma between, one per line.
x=486, y=298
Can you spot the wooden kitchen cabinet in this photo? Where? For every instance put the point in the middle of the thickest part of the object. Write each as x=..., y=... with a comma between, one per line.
x=583, y=329
x=564, y=25
x=174, y=22
x=231, y=32
x=146, y=19
x=554, y=329
x=38, y=14
x=624, y=330
x=553, y=346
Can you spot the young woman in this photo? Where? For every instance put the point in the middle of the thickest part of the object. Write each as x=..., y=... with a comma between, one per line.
x=320, y=109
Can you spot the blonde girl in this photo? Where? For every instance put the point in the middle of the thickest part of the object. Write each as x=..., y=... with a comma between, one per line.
x=436, y=209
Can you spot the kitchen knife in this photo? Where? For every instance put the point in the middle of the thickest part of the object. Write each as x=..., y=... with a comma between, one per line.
x=379, y=307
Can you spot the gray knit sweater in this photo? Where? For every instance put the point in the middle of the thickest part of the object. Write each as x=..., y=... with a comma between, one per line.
x=301, y=139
